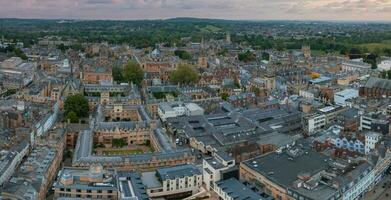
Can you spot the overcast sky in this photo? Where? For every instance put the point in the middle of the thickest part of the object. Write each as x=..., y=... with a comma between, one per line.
x=224, y=9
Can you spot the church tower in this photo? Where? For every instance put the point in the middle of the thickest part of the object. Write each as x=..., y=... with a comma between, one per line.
x=306, y=49
x=228, y=38
x=202, y=60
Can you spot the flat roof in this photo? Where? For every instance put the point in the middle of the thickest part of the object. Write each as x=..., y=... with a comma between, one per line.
x=283, y=169
x=179, y=171
x=150, y=180
x=238, y=190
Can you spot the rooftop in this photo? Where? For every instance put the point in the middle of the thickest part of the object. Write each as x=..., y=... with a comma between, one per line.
x=374, y=82
x=238, y=191
x=284, y=168
x=88, y=179
x=131, y=185
x=180, y=171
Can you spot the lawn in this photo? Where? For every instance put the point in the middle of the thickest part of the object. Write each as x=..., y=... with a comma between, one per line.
x=210, y=28
x=321, y=53
x=376, y=46
x=122, y=151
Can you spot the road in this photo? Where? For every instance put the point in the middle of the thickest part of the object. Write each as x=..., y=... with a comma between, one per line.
x=164, y=141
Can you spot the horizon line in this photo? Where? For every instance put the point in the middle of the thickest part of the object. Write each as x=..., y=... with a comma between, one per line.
x=200, y=18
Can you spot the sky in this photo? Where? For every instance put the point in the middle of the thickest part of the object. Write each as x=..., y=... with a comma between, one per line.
x=345, y=10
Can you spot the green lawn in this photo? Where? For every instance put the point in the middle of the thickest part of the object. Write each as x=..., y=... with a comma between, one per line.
x=210, y=28
x=376, y=46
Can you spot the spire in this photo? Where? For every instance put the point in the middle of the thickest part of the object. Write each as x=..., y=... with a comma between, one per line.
x=71, y=76
x=202, y=52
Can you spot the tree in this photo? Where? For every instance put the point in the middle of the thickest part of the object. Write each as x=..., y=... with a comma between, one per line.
x=62, y=47
x=19, y=53
x=265, y=56
x=256, y=90
x=183, y=54
x=371, y=59
x=72, y=117
x=117, y=74
x=184, y=74
x=355, y=53
x=387, y=52
x=121, y=142
x=133, y=73
x=76, y=104
x=78, y=47
x=224, y=96
x=246, y=56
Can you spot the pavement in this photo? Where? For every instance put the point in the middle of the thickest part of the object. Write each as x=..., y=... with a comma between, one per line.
x=382, y=191
x=163, y=140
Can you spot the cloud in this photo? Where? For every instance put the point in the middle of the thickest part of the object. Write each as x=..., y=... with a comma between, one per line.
x=227, y=9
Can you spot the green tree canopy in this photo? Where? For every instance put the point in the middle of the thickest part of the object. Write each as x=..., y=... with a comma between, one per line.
x=133, y=73
x=121, y=142
x=355, y=53
x=62, y=47
x=117, y=74
x=265, y=56
x=246, y=56
x=72, y=117
x=387, y=52
x=19, y=53
x=371, y=59
x=224, y=96
x=183, y=54
x=76, y=104
x=184, y=74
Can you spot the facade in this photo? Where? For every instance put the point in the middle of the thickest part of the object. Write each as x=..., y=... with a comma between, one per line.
x=136, y=133
x=307, y=94
x=173, y=182
x=351, y=144
x=354, y=66
x=232, y=189
x=92, y=183
x=243, y=100
x=384, y=65
x=375, y=121
x=341, y=97
x=314, y=122
x=176, y=109
x=376, y=88
x=371, y=139
x=213, y=168
x=97, y=75
x=119, y=112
